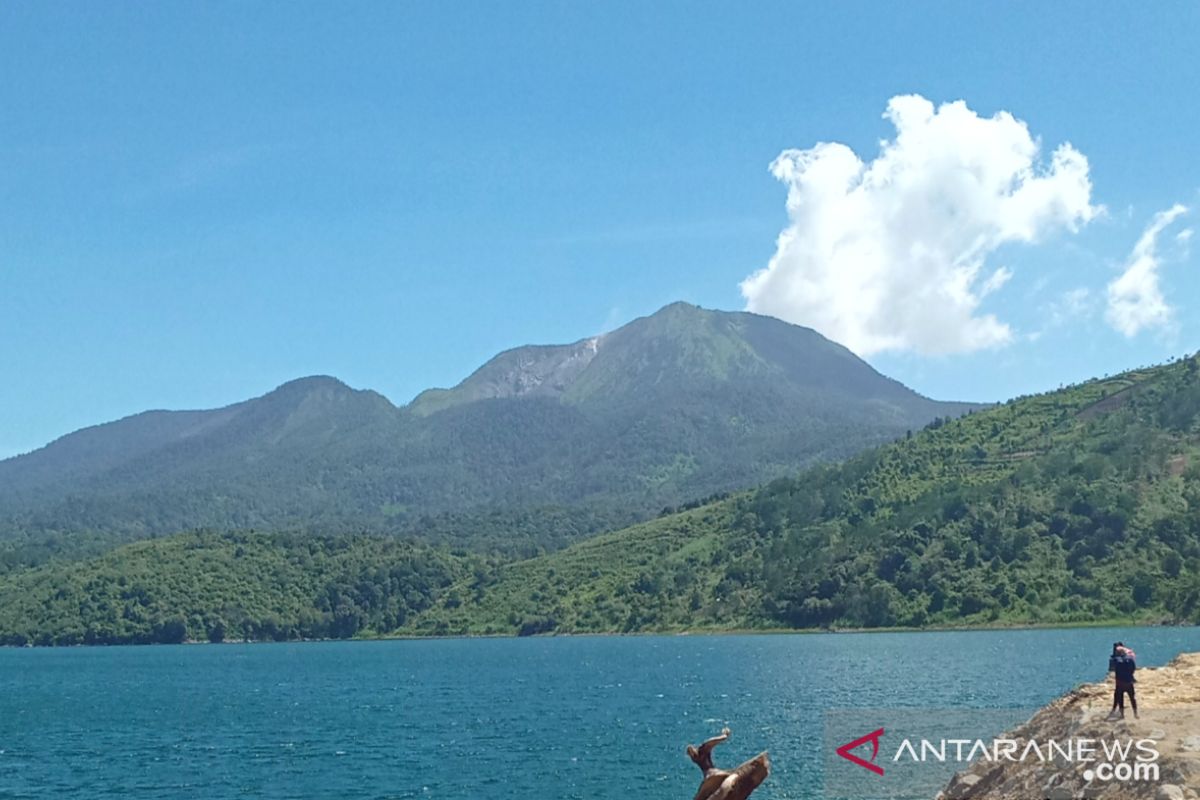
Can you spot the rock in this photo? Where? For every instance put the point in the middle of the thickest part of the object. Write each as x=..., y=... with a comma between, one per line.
x=961, y=785
x=1174, y=688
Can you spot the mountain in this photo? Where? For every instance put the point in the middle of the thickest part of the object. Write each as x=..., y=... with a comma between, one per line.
x=1079, y=506
x=310, y=410
x=679, y=405
x=661, y=357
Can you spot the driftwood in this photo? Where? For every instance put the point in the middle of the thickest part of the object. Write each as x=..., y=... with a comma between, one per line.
x=723, y=784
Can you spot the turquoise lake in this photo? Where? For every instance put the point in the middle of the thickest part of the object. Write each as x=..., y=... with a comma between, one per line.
x=590, y=718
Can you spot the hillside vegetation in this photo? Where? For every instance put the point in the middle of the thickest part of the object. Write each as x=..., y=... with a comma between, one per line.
x=1081, y=505
x=218, y=587
x=1075, y=506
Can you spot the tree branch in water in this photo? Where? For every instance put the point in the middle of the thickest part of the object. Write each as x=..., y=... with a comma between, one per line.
x=721, y=784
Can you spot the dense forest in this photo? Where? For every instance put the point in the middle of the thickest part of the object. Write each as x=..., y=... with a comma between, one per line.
x=1079, y=506
x=512, y=533
x=229, y=587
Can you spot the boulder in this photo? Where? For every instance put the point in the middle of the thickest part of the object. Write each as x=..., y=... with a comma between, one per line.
x=1169, y=792
x=961, y=785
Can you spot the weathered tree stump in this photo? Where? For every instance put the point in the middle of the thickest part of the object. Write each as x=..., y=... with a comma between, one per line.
x=723, y=784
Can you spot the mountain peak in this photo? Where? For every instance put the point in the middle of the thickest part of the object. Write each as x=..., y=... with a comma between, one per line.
x=678, y=307
x=311, y=383
x=678, y=350
x=685, y=314
x=319, y=394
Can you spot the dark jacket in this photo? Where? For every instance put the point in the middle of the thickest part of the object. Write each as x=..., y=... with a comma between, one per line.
x=1124, y=667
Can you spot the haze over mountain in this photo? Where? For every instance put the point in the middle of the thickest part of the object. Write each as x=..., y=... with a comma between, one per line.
x=672, y=407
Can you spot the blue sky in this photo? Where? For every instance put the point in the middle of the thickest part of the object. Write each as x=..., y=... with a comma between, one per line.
x=201, y=201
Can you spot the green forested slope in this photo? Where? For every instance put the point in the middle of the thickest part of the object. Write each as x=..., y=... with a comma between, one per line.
x=1074, y=506
x=1081, y=505
x=227, y=586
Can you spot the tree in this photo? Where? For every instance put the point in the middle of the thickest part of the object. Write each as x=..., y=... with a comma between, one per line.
x=172, y=631
x=216, y=631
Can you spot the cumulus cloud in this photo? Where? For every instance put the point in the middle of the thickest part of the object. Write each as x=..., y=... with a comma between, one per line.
x=892, y=254
x=1135, y=298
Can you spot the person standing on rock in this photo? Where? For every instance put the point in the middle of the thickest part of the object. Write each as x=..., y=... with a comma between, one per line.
x=1122, y=664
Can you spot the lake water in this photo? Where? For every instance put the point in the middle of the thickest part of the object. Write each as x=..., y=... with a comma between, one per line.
x=589, y=718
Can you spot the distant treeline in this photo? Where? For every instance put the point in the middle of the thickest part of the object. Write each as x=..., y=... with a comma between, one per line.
x=220, y=587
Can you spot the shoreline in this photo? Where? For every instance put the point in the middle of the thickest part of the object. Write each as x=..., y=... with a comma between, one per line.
x=1015, y=626
x=392, y=637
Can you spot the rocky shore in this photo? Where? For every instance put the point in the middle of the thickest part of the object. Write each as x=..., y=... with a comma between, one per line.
x=1169, y=725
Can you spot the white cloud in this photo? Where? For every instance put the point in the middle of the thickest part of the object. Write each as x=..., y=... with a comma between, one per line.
x=891, y=254
x=1135, y=299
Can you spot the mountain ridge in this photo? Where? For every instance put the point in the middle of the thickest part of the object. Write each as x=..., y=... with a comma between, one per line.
x=672, y=406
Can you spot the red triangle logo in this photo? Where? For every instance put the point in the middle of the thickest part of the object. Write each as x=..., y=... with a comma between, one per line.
x=873, y=738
